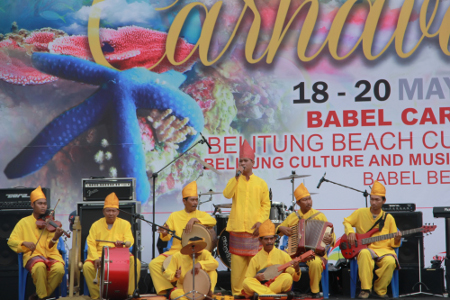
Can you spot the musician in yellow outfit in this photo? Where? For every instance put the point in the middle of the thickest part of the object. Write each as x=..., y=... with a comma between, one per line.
x=178, y=221
x=306, y=212
x=250, y=207
x=45, y=265
x=266, y=257
x=382, y=252
x=181, y=263
x=109, y=228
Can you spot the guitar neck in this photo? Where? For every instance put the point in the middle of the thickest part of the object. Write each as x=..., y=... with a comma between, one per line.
x=389, y=236
x=288, y=264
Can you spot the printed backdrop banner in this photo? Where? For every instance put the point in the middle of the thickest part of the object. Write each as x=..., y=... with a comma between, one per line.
x=358, y=90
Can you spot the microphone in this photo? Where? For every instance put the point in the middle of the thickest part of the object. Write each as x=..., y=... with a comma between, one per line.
x=206, y=141
x=321, y=180
x=239, y=173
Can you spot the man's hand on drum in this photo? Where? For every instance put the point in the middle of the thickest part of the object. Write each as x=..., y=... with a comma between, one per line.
x=197, y=268
x=260, y=276
x=178, y=273
x=285, y=230
x=327, y=238
x=97, y=263
x=119, y=244
x=256, y=227
x=189, y=225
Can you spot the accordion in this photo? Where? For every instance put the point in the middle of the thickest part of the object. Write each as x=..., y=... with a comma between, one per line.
x=308, y=235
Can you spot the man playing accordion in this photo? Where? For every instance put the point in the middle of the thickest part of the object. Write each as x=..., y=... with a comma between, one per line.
x=306, y=212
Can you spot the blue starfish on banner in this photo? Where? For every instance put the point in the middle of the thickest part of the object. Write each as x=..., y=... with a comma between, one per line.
x=119, y=94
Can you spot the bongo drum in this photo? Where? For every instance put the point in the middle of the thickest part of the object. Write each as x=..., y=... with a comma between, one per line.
x=166, y=263
x=202, y=284
x=223, y=248
x=201, y=231
x=277, y=213
x=115, y=268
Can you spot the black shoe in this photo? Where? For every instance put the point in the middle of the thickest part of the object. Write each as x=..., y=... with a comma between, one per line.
x=290, y=295
x=364, y=294
x=315, y=296
x=385, y=296
x=255, y=296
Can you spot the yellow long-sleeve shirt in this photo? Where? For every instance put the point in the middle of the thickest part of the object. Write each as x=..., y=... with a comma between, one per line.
x=292, y=219
x=263, y=260
x=250, y=202
x=27, y=231
x=177, y=221
x=184, y=262
x=362, y=219
x=120, y=231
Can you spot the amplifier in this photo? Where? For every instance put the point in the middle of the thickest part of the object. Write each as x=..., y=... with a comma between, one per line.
x=97, y=189
x=399, y=207
x=441, y=212
x=19, y=198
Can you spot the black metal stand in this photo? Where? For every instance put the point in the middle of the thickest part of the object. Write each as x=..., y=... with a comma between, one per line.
x=365, y=193
x=420, y=283
x=154, y=175
x=137, y=217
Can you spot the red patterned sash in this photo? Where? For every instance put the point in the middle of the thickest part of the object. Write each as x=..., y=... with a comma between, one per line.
x=243, y=244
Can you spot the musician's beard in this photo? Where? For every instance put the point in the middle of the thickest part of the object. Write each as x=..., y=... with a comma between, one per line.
x=268, y=247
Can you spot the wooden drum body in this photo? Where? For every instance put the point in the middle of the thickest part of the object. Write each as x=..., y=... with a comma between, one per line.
x=202, y=284
x=114, y=275
x=202, y=231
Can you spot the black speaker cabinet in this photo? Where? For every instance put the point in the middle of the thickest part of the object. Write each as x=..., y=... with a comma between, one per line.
x=409, y=251
x=9, y=284
x=432, y=278
x=89, y=212
x=8, y=220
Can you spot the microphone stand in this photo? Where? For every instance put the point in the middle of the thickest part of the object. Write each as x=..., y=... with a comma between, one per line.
x=365, y=193
x=154, y=175
x=137, y=217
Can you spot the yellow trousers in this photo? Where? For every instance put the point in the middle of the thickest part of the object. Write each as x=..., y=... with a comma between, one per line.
x=386, y=267
x=239, y=265
x=315, y=273
x=281, y=284
x=47, y=281
x=160, y=283
x=94, y=289
x=180, y=291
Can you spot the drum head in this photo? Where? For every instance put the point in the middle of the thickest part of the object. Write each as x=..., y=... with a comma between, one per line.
x=166, y=262
x=203, y=232
x=202, y=284
x=223, y=248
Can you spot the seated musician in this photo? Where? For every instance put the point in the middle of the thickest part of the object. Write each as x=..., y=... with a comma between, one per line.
x=178, y=221
x=317, y=265
x=268, y=256
x=109, y=228
x=364, y=219
x=45, y=264
x=181, y=263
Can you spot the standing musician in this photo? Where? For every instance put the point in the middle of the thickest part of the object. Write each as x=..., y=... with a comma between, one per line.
x=40, y=256
x=266, y=257
x=364, y=219
x=109, y=228
x=181, y=263
x=317, y=265
x=250, y=207
x=178, y=221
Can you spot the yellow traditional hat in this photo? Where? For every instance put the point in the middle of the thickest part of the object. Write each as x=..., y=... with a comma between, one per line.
x=301, y=192
x=378, y=189
x=37, y=194
x=266, y=228
x=246, y=151
x=111, y=201
x=190, y=190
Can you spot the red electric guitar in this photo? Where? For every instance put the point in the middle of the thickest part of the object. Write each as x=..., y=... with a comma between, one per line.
x=364, y=239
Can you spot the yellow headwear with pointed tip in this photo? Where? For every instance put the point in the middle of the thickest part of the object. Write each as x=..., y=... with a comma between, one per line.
x=37, y=194
x=301, y=192
x=111, y=201
x=378, y=189
x=190, y=190
x=266, y=228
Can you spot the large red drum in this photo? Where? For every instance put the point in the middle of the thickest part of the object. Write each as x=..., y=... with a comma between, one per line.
x=115, y=268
